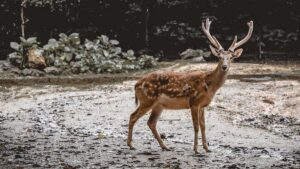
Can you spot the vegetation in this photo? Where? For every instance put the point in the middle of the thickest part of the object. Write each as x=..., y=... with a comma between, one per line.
x=99, y=55
x=164, y=27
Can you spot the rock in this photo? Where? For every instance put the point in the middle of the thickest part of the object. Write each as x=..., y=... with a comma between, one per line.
x=233, y=166
x=18, y=156
x=35, y=58
x=198, y=59
x=249, y=119
x=147, y=153
x=53, y=70
x=67, y=166
x=163, y=136
x=16, y=70
x=6, y=66
x=32, y=72
x=268, y=101
x=190, y=53
x=36, y=165
x=171, y=136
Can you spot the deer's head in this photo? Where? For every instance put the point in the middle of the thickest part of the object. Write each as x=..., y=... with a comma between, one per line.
x=226, y=56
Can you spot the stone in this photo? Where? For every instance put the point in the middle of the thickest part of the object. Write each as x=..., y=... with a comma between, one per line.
x=36, y=59
x=32, y=72
x=53, y=70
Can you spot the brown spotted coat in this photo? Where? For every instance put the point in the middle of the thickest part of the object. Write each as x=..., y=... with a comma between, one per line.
x=189, y=85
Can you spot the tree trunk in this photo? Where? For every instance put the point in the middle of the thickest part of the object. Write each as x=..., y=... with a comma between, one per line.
x=147, y=28
x=260, y=44
x=23, y=22
x=23, y=3
x=298, y=39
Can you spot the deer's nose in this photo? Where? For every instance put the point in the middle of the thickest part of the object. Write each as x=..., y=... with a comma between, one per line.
x=224, y=67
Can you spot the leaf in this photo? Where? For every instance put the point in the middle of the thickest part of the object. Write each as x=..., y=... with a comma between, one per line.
x=67, y=49
x=74, y=36
x=88, y=44
x=14, y=55
x=15, y=58
x=206, y=54
x=29, y=42
x=104, y=39
x=62, y=35
x=52, y=45
x=15, y=46
x=78, y=56
x=114, y=42
x=130, y=52
x=69, y=57
x=32, y=40
x=105, y=53
x=52, y=41
x=47, y=47
x=23, y=40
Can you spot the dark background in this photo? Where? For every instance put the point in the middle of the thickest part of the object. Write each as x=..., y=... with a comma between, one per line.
x=173, y=25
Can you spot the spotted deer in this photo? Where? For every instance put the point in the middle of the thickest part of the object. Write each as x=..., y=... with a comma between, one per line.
x=192, y=90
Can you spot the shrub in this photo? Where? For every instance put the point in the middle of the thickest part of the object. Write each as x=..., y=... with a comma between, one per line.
x=99, y=55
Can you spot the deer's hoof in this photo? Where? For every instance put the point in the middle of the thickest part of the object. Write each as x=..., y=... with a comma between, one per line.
x=206, y=148
x=196, y=151
x=132, y=148
x=165, y=149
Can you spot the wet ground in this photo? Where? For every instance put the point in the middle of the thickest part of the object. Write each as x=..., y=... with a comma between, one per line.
x=252, y=123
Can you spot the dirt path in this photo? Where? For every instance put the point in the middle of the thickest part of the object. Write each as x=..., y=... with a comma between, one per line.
x=86, y=127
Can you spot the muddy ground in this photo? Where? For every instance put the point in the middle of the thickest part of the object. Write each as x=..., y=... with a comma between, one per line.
x=252, y=123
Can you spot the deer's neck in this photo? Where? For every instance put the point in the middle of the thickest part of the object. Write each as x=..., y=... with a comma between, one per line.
x=216, y=78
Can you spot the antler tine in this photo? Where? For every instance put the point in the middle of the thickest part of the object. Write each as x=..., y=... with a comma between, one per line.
x=235, y=44
x=218, y=43
x=211, y=38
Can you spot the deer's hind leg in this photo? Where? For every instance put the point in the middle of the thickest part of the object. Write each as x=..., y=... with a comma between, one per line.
x=138, y=113
x=155, y=114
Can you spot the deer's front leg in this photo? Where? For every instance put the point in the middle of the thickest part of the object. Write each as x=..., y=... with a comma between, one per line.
x=202, y=127
x=194, y=111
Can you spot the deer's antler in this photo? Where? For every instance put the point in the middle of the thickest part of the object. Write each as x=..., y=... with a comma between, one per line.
x=235, y=44
x=213, y=40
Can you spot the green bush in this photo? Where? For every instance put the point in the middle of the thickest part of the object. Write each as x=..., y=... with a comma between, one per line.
x=100, y=55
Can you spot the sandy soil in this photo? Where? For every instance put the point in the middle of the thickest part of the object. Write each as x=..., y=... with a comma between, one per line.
x=291, y=68
x=240, y=68
x=249, y=125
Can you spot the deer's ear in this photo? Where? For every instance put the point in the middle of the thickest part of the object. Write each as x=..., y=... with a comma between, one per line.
x=237, y=53
x=214, y=51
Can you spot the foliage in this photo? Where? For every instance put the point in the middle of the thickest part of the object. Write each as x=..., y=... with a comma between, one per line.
x=181, y=31
x=45, y=3
x=279, y=38
x=174, y=25
x=99, y=55
x=191, y=53
x=16, y=57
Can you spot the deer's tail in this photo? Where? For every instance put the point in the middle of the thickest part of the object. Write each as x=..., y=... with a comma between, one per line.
x=136, y=100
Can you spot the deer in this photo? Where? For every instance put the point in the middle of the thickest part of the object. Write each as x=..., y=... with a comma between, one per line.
x=192, y=90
